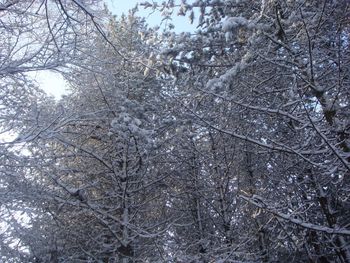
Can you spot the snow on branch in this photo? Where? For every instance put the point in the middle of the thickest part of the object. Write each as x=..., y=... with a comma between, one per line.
x=261, y=203
x=232, y=23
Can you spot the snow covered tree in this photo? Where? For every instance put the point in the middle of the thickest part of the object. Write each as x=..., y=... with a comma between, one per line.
x=228, y=144
x=101, y=172
x=39, y=35
x=280, y=70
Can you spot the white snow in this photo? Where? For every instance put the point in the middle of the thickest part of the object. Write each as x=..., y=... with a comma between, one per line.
x=232, y=23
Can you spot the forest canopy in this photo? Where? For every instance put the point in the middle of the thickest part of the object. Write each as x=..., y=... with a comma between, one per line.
x=229, y=143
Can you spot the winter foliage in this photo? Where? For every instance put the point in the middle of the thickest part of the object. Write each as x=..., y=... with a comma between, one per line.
x=227, y=144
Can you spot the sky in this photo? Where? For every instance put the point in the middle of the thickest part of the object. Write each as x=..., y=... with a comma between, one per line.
x=118, y=7
x=53, y=83
x=121, y=6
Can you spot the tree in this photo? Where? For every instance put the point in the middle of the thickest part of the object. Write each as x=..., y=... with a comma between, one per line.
x=229, y=144
x=264, y=62
x=37, y=35
x=99, y=163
